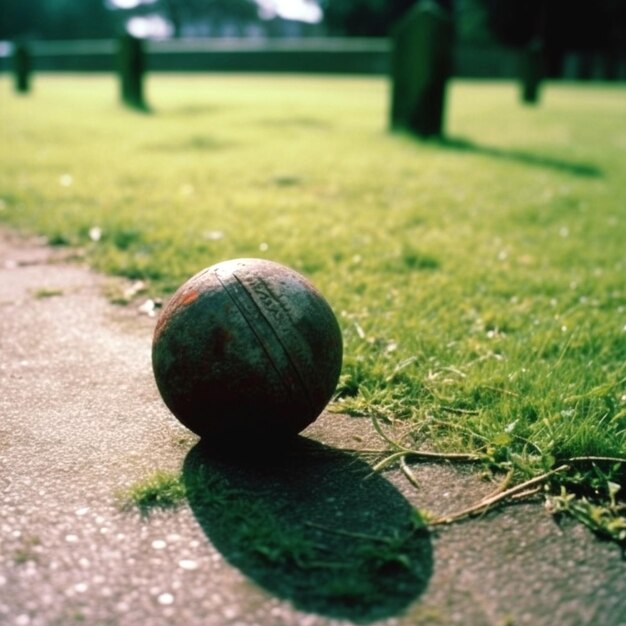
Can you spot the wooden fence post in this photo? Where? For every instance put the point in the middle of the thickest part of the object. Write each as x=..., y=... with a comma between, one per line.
x=531, y=72
x=421, y=65
x=132, y=67
x=22, y=67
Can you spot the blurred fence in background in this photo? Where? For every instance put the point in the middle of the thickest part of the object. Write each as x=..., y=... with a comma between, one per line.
x=303, y=55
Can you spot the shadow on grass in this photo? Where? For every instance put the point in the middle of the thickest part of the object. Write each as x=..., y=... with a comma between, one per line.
x=312, y=525
x=313, y=123
x=193, y=110
x=195, y=143
x=137, y=106
x=585, y=170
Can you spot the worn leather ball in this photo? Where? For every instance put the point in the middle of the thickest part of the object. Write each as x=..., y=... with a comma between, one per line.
x=247, y=348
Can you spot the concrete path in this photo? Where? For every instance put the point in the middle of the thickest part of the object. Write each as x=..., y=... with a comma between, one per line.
x=81, y=420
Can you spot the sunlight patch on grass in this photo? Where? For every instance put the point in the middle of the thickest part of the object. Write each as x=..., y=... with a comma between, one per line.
x=479, y=281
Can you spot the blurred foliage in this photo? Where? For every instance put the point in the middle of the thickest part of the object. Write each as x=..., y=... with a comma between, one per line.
x=181, y=12
x=95, y=19
x=569, y=24
x=363, y=18
x=561, y=26
x=55, y=19
x=472, y=22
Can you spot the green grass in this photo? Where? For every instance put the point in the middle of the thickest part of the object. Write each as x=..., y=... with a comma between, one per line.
x=161, y=490
x=480, y=282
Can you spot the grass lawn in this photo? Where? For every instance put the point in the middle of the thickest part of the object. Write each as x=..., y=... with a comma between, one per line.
x=480, y=282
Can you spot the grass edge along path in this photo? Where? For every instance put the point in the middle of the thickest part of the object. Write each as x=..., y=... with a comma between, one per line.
x=600, y=511
x=478, y=281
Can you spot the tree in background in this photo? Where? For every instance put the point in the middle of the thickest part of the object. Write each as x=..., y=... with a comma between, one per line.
x=363, y=18
x=213, y=12
x=560, y=26
x=95, y=19
x=55, y=19
x=68, y=19
x=471, y=20
x=19, y=18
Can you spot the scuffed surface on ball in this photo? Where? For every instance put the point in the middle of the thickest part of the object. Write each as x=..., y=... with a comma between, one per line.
x=247, y=348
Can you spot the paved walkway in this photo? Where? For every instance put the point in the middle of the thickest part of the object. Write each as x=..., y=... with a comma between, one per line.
x=81, y=419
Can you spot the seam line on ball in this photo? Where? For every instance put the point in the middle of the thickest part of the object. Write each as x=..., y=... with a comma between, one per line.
x=234, y=294
x=286, y=352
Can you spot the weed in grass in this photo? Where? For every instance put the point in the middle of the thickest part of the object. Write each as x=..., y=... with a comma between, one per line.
x=606, y=521
x=126, y=238
x=47, y=292
x=479, y=281
x=28, y=551
x=59, y=239
x=162, y=490
x=591, y=495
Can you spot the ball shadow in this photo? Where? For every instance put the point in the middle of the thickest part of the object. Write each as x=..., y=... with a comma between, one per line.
x=312, y=525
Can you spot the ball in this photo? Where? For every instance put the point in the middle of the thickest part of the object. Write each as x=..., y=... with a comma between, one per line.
x=247, y=348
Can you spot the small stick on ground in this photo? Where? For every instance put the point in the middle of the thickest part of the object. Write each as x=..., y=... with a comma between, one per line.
x=606, y=459
x=501, y=487
x=483, y=505
x=420, y=455
x=452, y=409
x=527, y=494
x=406, y=470
x=404, y=451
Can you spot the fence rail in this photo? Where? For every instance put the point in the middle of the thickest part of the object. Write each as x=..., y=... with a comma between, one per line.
x=303, y=55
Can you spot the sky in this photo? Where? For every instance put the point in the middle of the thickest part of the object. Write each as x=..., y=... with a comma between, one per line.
x=303, y=10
